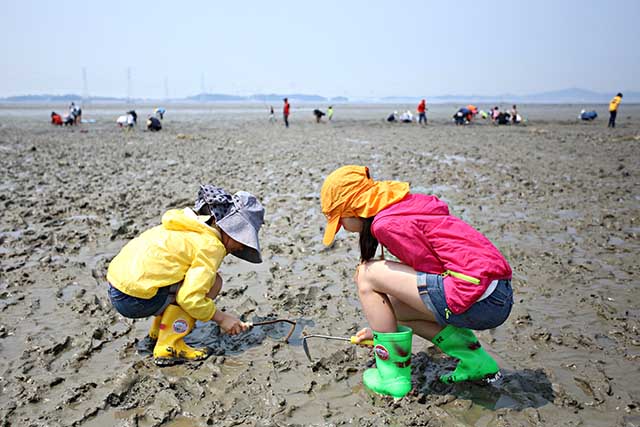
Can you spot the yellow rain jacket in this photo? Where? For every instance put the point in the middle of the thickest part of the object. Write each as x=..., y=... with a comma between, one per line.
x=613, y=105
x=182, y=249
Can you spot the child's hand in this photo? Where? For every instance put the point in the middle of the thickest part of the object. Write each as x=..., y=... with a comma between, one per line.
x=231, y=325
x=364, y=334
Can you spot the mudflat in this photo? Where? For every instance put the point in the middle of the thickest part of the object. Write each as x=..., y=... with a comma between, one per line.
x=559, y=198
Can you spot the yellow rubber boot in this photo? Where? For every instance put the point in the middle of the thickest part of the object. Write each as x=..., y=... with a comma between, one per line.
x=154, y=330
x=171, y=348
x=148, y=343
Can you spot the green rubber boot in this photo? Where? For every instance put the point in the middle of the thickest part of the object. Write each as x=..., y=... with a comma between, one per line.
x=392, y=374
x=474, y=363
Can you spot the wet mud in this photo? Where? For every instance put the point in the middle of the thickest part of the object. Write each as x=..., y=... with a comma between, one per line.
x=561, y=200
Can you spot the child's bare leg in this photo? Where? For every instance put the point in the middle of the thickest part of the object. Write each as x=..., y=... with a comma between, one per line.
x=377, y=282
x=423, y=325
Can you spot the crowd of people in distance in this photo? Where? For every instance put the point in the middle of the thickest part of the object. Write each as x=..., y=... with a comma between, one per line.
x=591, y=115
x=504, y=117
x=153, y=123
x=405, y=117
x=463, y=116
x=127, y=120
x=319, y=114
x=408, y=117
x=71, y=118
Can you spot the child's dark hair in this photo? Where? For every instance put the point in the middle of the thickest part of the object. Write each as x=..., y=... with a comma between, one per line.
x=205, y=210
x=368, y=242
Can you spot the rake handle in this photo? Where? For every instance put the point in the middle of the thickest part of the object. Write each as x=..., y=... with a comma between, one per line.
x=270, y=322
x=364, y=343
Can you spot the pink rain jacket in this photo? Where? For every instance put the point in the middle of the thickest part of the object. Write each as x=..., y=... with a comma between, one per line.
x=419, y=231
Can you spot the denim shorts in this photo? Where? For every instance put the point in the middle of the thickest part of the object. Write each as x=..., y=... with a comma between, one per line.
x=137, y=308
x=488, y=313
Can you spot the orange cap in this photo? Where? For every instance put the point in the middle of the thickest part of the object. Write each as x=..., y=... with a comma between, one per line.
x=350, y=191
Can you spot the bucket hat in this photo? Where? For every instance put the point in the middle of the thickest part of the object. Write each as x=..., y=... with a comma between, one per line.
x=242, y=223
x=350, y=191
x=213, y=201
x=239, y=216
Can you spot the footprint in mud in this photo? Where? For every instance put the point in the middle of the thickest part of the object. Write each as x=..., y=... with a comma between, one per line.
x=70, y=292
x=209, y=335
x=515, y=390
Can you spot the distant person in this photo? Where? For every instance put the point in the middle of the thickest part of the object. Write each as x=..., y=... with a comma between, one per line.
x=131, y=121
x=132, y=118
x=406, y=117
x=472, y=112
x=463, y=116
x=613, y=110
x=56, y=119
x=128, y=120
x=78, y=115
x=422, y=112
x=504, y=118
x=154, y=124
x=272, y=115
x=69, y=120
x=330, y=112
x=318, y=114
x=588, y=116
x=393, y=117
x=286, y=109
x=514, y=114
x=75, y=113
x=494, y=113
x=159, y=112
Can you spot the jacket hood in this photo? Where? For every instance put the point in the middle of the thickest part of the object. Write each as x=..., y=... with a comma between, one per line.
x=187, y=220
x=417, y=204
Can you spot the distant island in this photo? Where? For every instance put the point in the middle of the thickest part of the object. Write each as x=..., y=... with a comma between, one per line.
x=202, y=97
x=564, y=96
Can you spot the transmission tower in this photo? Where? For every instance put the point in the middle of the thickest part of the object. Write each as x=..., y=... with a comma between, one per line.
x=129, y=85
x=85, y=86
x=166, y=89
x=202, y=87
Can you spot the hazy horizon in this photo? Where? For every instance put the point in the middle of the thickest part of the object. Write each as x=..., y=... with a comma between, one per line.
x=355, y=49
x=256, y=96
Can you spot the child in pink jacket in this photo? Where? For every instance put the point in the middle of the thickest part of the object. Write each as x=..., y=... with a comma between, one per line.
x=450, y=278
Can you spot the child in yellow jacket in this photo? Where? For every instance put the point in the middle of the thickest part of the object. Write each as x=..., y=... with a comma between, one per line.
x=170, y=271
x=613, y=110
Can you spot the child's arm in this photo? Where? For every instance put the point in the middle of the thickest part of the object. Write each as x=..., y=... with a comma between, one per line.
x=198, y=280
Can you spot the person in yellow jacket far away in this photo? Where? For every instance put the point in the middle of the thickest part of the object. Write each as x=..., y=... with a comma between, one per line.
x=171, y=271
x=613, y=110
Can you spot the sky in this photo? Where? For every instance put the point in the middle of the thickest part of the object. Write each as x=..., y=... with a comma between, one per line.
x=331, y=48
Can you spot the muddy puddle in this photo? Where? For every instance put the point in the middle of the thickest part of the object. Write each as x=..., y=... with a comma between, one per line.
x=560, y=199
